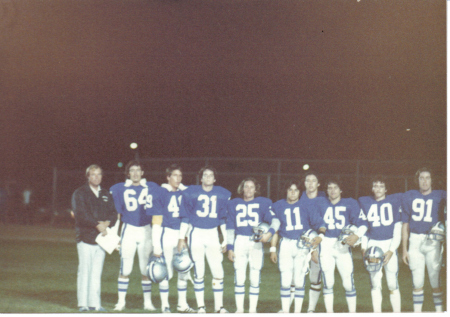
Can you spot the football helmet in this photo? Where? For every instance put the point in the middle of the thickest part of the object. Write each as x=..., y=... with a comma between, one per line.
x=156, y=269
x=305, y=240
x=437, y=232
x=182, y=261
x=373, y=259
x=259, y=230
x=347, y=231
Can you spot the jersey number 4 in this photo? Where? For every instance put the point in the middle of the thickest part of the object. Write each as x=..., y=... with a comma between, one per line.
x=385, y=215
x=209, y=206
x=174, y=206
x=132, y=203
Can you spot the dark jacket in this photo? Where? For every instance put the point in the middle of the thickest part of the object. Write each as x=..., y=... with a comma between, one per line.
x=89, y=209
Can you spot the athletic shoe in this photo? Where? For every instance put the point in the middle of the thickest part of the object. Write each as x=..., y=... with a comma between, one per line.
x=149, y=307
x=187, y=310
x=201, y=310
x=83, y=308
x=280, y=311
x=119, y=306
x=238, y=312
x=310, y=311
x=222, y=311
x=97, y=308
x=166, y=310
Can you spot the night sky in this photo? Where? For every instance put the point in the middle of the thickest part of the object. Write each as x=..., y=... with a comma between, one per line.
x=82, y=79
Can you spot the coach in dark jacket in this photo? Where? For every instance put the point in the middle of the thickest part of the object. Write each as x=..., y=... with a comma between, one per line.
x=94, y=211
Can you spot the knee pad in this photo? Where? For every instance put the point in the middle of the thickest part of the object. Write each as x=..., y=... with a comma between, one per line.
x=126, y=266
x=255, y=278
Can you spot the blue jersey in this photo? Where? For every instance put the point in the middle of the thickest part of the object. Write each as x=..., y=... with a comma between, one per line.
x=296, y=218
x=206, y=210
x=381, y=215
x=244, y=215
x=131, y=201
x=171, y=208
x=336, y=217
x=422, y=211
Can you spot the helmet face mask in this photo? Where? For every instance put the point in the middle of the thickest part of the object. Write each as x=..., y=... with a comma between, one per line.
x=156, y=269
x=373, y=259
x=306, y=239
x=259, y=230
x=182, y=261
x=437, y=232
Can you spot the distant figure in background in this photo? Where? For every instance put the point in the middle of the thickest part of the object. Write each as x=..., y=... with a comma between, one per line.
x=131, y=200
x=94, y=211
x=3, y=206
x=27, y=212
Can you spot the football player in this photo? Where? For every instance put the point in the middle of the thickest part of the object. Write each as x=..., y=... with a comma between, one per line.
x=167, y=223
x=383, y=215
x=311, y=196
x=206, y=206
x=420, y=213
x=245, y=213
x=337, y=213
x=131, y=199
x=296, y=219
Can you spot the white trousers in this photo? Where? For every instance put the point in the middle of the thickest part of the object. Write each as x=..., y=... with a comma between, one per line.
x=135, y=238
x=90, y=266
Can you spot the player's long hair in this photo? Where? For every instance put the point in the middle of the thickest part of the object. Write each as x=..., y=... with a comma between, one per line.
x=240, y=189
x=303, y=179
x=207, y=167
x=130, y=164
x=421, y=170
x=172, y=168
x=291, y=182
x=333, y=181
x=381, y=179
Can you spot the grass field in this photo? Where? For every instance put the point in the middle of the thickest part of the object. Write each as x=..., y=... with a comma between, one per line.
x=38, y=275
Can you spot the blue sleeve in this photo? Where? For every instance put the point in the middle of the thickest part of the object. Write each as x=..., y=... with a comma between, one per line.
x=354, y=215
x=156, y=205
x=118, y=201
x=268, y=213
x=406, y=211
x=315, y=220
x=231, y=216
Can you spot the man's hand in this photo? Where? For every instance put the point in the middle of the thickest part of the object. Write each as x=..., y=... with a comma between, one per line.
x=405, y=257
x=273, y=257
x=265, y=237
x=223, y=247
x=387, y=257
x=181, y=245
x=315, y=242
x=351, y=240
x=157, y=255
x=363, y=251
x=118, y=247
x=231, y=255
x=101, y=227
x=315, y=256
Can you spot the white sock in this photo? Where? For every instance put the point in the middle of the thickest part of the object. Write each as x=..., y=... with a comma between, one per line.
x=314, y=293
x=239, y=293
x=199, y=288
x=376, y=300
x=253, y=296
x=351, y=301
x=217, y=286
x=299, y=295
x=292, y=294
x=328, y=298
x=418, y=301
x=285, y=294
x=164, y=293
x=122, y=285
x=147, y=292
x=396, y=301
x=437, y=298
x=182, y=288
